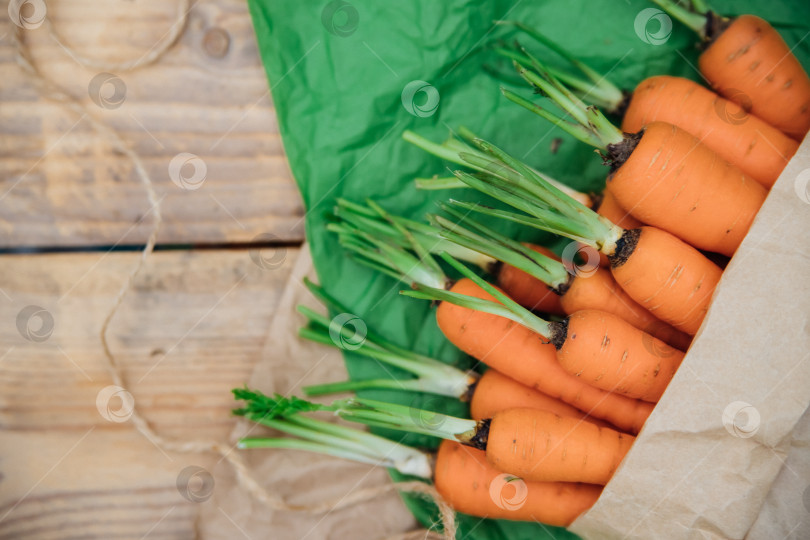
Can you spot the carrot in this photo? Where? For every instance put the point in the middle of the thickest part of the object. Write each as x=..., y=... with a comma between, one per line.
x=600, y=291
x=467, y=481
x=461, y=474
x=525, y=356
x=675, y=281
x=675, y=183
x=748, y=62
x=608, y=353
x=751, y=59
x=527, y=290
x=542, y=446
x=532, y=444
x=648, y=263
x=495, y=392
x=662, y=175
x=754, y=146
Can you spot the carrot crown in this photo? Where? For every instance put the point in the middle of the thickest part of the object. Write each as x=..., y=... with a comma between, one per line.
x=312, y=435
x=432, y=376
x=594, y=86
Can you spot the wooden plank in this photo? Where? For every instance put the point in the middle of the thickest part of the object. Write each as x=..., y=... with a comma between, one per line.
x=61, y=184
x=192, y=328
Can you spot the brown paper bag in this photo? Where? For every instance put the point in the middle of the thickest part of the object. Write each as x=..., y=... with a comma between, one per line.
x=708, y=457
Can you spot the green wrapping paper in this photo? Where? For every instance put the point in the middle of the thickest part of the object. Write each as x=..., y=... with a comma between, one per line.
x=347, y=78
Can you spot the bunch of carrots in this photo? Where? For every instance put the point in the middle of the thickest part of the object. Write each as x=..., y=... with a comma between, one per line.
x=577, y=354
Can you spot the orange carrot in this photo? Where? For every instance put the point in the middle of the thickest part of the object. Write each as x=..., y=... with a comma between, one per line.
x=528, y=291
x=472, y=486
x=751, y=64
x=542, y=446
x=525, y=356
x=675, y=183
x=600, y=291
x=495, y=392
x=673, y=280
x=605, y=351
x=755, y=147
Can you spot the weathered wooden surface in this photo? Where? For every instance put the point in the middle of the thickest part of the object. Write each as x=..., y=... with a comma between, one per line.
x=191, y=329
x=62, y=185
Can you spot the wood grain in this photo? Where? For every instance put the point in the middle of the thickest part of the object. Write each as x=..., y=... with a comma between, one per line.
x=62, y=185
x=192, y=328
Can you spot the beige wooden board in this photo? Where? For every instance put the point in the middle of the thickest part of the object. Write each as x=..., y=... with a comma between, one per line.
x=61, y=184
x=192, y=327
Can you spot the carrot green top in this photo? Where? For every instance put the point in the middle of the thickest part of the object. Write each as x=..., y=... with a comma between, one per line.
x=432, y=376
x=312, y=435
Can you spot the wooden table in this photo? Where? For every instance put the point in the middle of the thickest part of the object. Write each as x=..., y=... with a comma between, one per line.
x=196, y=318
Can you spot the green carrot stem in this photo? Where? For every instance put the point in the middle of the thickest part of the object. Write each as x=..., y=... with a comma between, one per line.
x=577, y=220
x=283, y=414
x=522, y=200
x=335, y=305
x=701, y=7
x=404, y=418
x=575, y=130
x=581, y=85
x=608, y=93
x=476, y=304
x=394, y=261
x=451, y=149
x=522, y=219
x=554, y=90
x=694, y=21
x=417, y=465
x=588, y=117
x=433, y=376
x=475, y=235
x=521, y=315
x=413, y=385
x=436, y=183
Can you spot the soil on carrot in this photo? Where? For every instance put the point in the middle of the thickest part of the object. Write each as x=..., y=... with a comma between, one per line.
x=559, y=333
x=624, y=247
x=563, y=287
x=715, y=26
x=619, y=153
x=479, y=440
x=467, y=397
